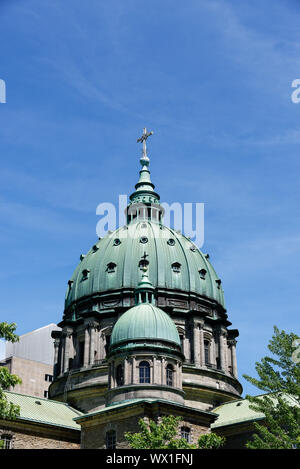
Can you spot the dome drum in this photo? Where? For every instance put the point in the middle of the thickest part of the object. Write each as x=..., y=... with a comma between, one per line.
x=140, y=374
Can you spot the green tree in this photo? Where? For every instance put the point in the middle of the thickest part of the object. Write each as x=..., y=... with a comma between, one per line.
x=163, y=435
x=279, y=377
x=7, y=409
x=210, y=441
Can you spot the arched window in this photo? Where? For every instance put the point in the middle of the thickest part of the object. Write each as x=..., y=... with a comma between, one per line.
x=170, y=373
x=111, y=439
x=144, y=372
x=206, y=352
x=120, y=375
x=185, y=433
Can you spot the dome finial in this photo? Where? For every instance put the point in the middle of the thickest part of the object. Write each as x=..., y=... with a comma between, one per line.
x=144, y=159
x=144, y=201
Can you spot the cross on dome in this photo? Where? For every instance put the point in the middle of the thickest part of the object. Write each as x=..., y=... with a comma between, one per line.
x=143, y=140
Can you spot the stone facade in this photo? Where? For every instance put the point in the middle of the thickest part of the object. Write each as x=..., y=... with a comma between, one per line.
x=208, y=348
x=120, y=419
x=26, y=435
x=236, y=436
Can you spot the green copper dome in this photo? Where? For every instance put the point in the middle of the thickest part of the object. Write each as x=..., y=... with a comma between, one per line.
x=144, y=321
x=174, y=263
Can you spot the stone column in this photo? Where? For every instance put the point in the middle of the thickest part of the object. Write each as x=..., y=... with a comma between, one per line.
x=62, y=353
x=56, y=347
x=213, y=355
x=196, y=339
x=185, y=348
x=222, y=350
x=177, y=384
x=102, y=346
x=133, y=371
x=86, y=346
x=202, y=353
x=126, y=371
x=113, y=375
x=92, y=345
x=68, y=349
x=233, y=358
x=163, y=378
x=153, y=381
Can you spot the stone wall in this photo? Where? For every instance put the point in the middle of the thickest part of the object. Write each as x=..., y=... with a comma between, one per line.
x=31, y=436
x=95, y=427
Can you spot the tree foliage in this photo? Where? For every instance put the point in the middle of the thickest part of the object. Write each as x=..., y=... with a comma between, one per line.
x=210, y=441
x=279, y=376
x=7, y=409
x=7, y=332
x=164, y=435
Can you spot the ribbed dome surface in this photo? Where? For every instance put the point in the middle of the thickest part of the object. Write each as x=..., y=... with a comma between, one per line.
x=113, y=263
x=144, y=321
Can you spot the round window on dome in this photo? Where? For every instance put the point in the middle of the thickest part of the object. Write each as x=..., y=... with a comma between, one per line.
x=111, y=267
x=117, y=242
x=85, y=274
x=144, y=240
x=202, y=273
x=176, y=267
x=171, y=242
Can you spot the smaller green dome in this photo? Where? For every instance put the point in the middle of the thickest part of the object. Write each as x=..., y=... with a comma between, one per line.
x=144, y=321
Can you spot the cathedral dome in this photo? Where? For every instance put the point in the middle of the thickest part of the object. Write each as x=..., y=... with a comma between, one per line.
x=144, y=322
x=176, y=264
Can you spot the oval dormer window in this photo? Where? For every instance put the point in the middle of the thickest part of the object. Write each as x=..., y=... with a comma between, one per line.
x=176, y=267
x=117, y=242
x=202, y=273
x=171, y=242
x=144, y=240
x=143, y=263
x=85, y=274
x=218, y=282
x=111, y=267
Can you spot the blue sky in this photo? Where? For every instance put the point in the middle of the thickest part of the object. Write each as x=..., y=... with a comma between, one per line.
x=213, y=80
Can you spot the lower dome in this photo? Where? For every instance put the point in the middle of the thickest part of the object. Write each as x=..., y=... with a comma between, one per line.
x=144, y=321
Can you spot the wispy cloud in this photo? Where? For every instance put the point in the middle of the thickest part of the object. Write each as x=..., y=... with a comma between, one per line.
x=24, y=216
